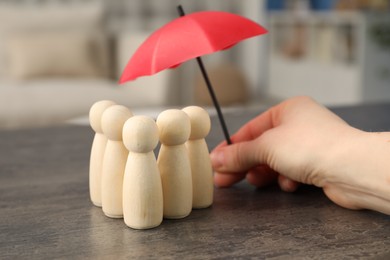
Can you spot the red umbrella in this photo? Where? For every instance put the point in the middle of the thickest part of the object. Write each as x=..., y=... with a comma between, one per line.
x=187, y=37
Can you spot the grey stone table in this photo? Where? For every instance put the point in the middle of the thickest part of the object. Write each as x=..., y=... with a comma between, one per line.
x=45, y=211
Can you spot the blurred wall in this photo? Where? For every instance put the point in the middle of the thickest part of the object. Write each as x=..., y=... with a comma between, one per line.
x=335, y=51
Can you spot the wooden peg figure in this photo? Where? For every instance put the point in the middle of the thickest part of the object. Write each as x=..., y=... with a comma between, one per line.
x=114, y=161
x=174, y=164
x=97, y=150
x=201, y=169
x=142, y=188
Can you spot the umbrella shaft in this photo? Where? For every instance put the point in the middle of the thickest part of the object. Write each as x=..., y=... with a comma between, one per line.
x=180, y=10
x=214, y=99
x=211, y=90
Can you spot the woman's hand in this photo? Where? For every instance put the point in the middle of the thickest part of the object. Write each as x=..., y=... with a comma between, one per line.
x=300, y=141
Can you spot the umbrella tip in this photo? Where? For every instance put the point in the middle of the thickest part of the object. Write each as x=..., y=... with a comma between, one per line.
x=123, y=79
x=180, y=10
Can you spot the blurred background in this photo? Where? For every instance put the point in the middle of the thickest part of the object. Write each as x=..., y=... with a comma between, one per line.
x=58, y=57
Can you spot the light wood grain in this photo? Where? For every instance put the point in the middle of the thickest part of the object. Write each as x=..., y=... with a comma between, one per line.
x=114, y=160
x=174, y=164
x=201, y=169
x=142, y=188
x=97, y=150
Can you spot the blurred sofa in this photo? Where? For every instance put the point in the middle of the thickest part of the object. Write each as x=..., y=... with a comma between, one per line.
x=57, y=60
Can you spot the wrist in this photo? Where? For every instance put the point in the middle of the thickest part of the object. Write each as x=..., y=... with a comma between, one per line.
x=359, y=176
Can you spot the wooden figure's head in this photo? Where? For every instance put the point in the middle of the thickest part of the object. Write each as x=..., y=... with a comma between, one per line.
x=113, y=119
x=200, y=122
x=140, y=134
x=174, y=127
x=96, y=112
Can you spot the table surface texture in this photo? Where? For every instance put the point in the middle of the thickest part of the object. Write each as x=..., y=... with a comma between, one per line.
x=46, y=213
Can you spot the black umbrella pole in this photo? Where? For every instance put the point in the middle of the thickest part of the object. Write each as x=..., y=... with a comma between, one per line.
x=211, y=90
x=180, y=10
x=214, y=99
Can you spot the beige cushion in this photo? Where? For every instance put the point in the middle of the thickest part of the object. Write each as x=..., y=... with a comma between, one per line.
x=43, y=54
x=229, y=84
x=45, y=101
x=26, y=18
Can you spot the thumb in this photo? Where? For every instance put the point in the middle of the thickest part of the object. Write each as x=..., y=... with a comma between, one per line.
x=238, y=157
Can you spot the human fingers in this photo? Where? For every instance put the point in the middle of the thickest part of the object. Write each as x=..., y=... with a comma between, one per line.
x=224, y=180
x=236, y=158
x=286, y=184
x=255, y=127
x=222, y=144
x=261, y=176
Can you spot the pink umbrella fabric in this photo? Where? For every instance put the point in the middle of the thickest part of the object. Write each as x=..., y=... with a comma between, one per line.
x=188, y=37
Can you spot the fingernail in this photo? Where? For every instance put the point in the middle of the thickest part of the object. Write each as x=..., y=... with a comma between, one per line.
x=288, y=185
x=217, y=159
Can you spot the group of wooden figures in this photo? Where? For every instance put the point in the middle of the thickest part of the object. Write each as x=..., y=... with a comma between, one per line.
x=126, y=180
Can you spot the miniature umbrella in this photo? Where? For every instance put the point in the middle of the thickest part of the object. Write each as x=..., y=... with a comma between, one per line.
x=188, y=37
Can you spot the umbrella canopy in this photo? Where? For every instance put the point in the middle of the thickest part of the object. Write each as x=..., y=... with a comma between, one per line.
x=188, y=37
